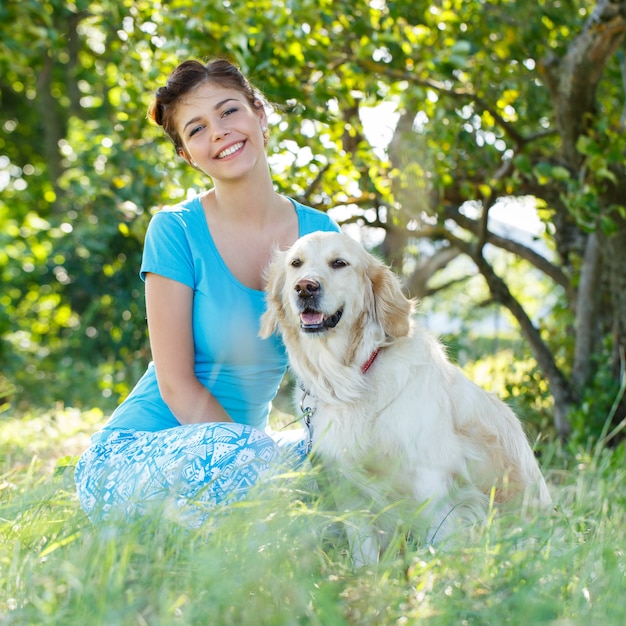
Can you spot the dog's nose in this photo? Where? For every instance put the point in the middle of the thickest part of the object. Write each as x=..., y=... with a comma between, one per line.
x=306, y=287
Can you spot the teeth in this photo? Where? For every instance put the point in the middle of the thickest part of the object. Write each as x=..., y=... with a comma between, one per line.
x=224, y=153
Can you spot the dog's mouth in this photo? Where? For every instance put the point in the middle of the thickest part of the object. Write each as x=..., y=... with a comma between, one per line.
x=312, y=321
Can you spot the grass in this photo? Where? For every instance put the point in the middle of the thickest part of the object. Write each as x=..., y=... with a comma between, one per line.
x=279, y=558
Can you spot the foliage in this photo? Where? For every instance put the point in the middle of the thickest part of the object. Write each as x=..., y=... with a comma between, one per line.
x=466, y=114
x=590, y=419
x=279, y=558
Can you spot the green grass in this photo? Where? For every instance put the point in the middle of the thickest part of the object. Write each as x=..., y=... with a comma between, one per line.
x=279, y=558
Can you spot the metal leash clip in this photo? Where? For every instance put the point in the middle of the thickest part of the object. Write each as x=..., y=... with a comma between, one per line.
x=307, y=413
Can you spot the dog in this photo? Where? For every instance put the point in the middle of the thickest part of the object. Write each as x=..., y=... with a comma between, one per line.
x=417, y=440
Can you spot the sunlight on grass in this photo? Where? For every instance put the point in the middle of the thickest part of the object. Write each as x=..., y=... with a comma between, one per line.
x=279, y=558
x=500, y=370
x=47, y=437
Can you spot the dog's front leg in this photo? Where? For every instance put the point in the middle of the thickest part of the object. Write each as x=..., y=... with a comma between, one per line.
x=363, y=542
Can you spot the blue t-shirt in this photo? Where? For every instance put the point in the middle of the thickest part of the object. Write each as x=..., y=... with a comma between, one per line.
x=241, y=370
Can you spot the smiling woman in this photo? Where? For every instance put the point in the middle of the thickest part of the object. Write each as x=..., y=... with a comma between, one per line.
x=216, y=125
x=193, y=430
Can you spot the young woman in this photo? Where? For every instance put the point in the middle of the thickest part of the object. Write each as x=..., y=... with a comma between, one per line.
x=192, y=433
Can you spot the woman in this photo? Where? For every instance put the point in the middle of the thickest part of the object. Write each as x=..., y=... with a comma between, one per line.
x=192, y=431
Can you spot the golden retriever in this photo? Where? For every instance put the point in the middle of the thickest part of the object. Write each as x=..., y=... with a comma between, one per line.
x=391, y=413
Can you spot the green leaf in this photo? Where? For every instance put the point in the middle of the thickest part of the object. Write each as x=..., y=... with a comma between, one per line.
x=559, y=172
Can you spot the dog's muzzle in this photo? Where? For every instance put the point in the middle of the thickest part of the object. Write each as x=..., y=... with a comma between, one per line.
x=312, y=319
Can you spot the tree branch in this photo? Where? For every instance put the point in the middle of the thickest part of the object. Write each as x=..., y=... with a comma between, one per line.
x=563, y=395
x=487, y=203
x=450, y=283
x=446, y=89
x=524, y=252
x=417, y=283
x=316, y=181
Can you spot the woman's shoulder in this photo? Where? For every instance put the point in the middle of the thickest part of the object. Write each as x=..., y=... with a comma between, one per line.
x=190, y=207
x=173, y=239
x=185, y=217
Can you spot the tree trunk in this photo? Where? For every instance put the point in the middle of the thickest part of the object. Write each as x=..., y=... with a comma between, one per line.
x=614, y=259
x=586, y=312
x=559, y=386
x=572, y=82
x=53, y=128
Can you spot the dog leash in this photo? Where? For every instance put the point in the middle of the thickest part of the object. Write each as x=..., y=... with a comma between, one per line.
x=307, y=412
x=305, y=416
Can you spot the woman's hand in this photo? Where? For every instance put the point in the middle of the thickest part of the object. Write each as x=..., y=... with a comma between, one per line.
x=169, y=309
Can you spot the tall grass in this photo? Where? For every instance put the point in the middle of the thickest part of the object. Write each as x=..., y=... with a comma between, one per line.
x=279, y=558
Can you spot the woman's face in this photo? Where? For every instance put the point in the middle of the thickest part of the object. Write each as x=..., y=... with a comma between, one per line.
x=221, y=133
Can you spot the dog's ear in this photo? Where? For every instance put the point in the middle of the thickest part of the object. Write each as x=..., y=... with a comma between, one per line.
x=274, y=281
x=393, y=309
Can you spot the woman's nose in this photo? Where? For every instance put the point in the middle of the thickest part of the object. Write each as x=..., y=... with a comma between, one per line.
x=220, y=131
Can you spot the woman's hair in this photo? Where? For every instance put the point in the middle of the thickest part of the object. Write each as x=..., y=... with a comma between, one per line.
x=186, y=77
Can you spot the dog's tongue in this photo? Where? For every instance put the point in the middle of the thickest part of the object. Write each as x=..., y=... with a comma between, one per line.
x=310, y=318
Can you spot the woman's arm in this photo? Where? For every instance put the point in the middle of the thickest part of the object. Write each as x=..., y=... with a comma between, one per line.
x=169, y=309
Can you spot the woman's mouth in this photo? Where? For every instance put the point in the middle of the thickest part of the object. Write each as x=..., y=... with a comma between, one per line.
x=230, y=150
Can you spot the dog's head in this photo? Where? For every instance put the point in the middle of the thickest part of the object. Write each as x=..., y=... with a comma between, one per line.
x=327, y=284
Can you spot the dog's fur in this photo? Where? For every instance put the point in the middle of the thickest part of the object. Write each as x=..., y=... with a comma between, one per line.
x=411, y=427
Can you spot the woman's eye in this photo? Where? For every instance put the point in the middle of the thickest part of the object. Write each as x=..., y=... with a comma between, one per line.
x=228, y=112
x=195, y=130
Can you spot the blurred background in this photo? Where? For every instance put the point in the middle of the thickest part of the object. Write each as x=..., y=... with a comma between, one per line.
x=477, y=147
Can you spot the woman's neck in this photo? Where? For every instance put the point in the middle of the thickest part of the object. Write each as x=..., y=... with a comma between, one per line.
x=250, y=202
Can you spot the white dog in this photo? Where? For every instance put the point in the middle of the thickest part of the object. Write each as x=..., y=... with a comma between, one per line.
x=392, y=414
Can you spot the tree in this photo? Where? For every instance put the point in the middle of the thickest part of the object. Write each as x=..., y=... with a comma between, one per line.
x=506, y=109
x=483, y=102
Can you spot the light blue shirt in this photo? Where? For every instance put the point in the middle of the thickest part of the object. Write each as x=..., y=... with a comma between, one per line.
x=241, y=370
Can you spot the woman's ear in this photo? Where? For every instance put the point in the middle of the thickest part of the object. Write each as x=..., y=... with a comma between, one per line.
x=259, y=108
x=183, y=155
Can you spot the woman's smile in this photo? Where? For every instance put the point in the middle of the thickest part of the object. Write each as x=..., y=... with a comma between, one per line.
x=230, y=150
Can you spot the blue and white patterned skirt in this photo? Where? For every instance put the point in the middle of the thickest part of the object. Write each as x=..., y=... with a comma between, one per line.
x=188, y=470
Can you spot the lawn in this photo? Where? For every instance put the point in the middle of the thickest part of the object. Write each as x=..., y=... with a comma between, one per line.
x=279, y=558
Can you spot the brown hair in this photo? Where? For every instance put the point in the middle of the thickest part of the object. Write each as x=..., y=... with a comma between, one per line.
x=186, y=77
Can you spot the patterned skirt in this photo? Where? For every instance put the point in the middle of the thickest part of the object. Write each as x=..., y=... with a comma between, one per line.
x=187, y=470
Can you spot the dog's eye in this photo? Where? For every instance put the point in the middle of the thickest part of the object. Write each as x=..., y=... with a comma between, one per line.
x=296, y=262
x=337, y=263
